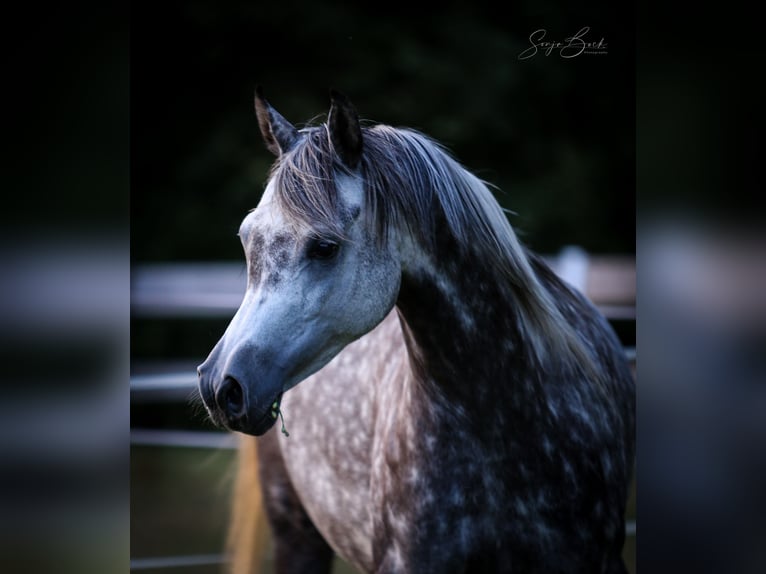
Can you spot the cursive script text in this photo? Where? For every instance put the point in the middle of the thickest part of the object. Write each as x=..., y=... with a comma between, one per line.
x=569, y=48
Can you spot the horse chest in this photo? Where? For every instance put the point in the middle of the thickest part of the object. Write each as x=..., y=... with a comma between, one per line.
x=330, y=472
x=328, y=455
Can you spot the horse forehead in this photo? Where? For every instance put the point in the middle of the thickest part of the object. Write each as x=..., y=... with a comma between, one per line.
x=266, y=219
x=351, y=189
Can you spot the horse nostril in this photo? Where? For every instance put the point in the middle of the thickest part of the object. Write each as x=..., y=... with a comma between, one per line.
x=199, y=372
x=230, y=397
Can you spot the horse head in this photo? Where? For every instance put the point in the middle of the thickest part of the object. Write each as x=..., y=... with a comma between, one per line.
x=318, y=276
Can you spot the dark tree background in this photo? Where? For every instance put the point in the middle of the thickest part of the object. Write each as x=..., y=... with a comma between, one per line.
x=556, y=135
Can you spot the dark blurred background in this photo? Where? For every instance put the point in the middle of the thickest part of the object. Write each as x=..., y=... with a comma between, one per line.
x=556, y=135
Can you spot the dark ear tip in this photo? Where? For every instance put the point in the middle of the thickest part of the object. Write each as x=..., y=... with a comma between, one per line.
x=259, y=92
x=337, y=97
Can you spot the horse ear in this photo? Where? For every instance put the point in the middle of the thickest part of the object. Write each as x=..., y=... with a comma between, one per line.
x=345, y=133
x=279, y=134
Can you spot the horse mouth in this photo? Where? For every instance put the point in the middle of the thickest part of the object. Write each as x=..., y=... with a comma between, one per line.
x=263, y=423
x=255, y=421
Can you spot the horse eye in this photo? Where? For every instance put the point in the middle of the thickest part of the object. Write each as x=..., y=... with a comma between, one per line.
x=322, y=249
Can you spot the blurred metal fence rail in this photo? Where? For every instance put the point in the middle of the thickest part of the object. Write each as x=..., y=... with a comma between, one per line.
x=181, y=386
x=215, y=290
x=183, y=439
x=190, y=560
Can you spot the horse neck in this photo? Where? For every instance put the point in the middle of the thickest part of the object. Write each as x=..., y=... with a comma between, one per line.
x=463, y=332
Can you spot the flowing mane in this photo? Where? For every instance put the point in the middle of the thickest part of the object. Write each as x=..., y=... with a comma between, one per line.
x=412, y=182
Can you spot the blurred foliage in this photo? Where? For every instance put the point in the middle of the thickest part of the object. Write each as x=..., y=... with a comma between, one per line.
x=557, y=136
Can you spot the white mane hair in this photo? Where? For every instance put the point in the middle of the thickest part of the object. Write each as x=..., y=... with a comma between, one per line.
x=411, y=181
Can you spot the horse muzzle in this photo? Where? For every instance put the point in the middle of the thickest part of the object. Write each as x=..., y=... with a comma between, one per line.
x=231, y=406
